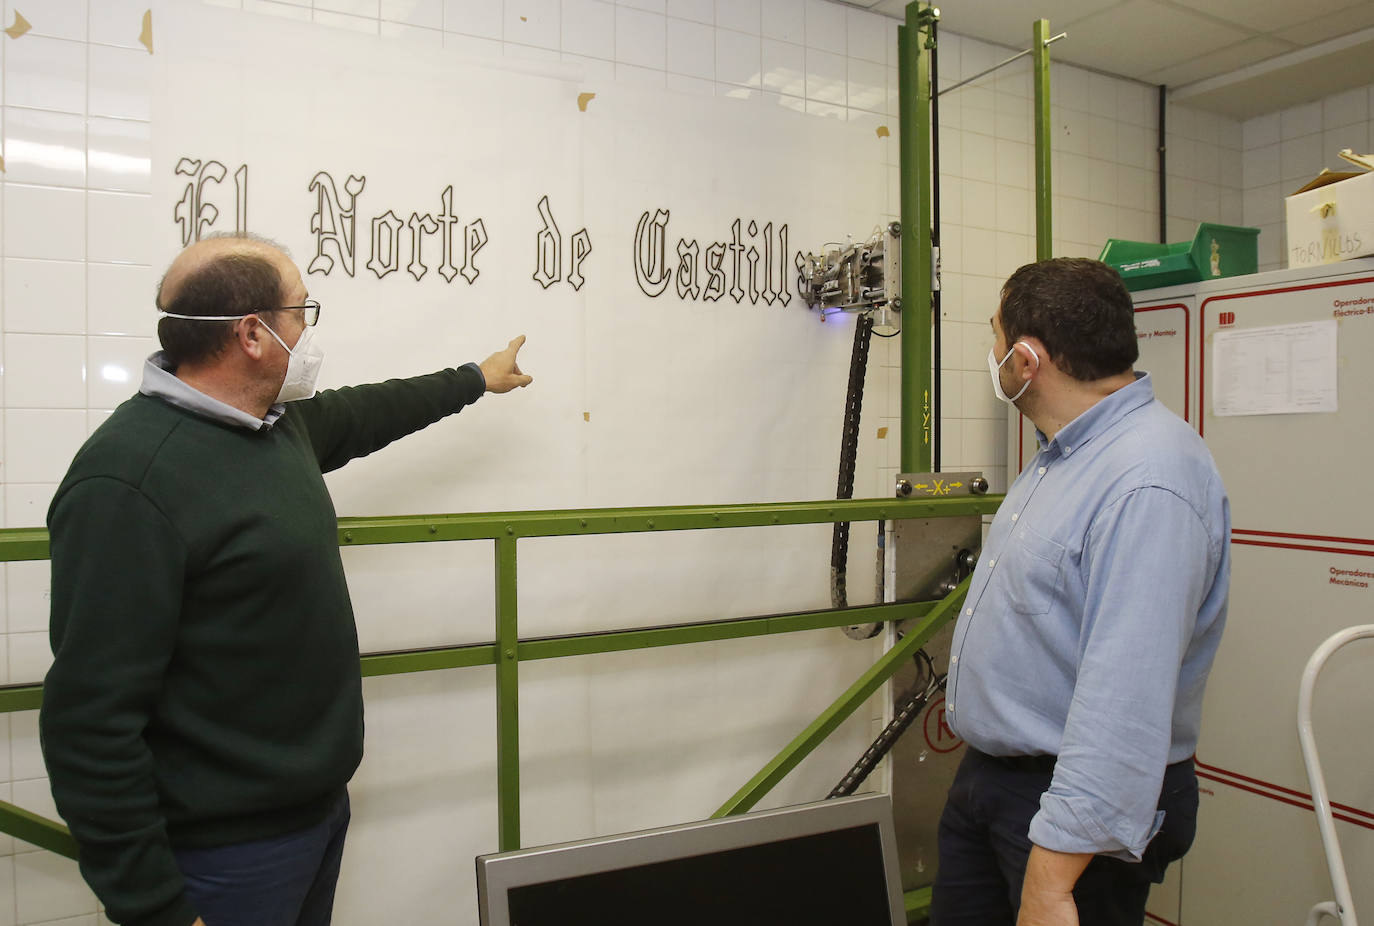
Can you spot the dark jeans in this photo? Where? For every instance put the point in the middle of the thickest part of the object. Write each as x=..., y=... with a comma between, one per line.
x=984, y=847
x=282, y=881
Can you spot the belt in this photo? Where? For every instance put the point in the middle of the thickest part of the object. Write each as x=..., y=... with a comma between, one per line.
x=1042, y=764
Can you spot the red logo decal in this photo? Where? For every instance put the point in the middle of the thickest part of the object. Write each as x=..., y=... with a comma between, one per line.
x=1226, y=318
x=939, y=736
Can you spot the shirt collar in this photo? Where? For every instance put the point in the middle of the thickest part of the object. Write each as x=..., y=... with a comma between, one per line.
x=1101, y=416
x=160, y=382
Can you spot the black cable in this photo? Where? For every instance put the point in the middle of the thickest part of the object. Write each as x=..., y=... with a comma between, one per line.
x=909, y=706
x=849, y=449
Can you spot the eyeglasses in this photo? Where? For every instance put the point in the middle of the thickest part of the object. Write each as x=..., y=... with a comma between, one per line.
x=311, y=310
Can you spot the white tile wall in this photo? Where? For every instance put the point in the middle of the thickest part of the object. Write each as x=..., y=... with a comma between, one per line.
x=427, y=14
x=1282, y=151
x=75, y=313
x=39, y=221
x=45, y=147
x=44, y=296
x=46, y=74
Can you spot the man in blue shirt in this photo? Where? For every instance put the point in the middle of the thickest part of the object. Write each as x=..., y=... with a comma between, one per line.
x=1078, y=663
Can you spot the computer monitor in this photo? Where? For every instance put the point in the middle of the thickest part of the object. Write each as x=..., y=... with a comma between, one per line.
x=832, y=863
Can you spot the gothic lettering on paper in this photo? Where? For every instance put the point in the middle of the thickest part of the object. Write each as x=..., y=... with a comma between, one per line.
x=548, y=248
x=650, y=258
x=767, y=290
x=751, y=265
x=715, y=272
x=334, y=222
x=194, y=212
x=736, y=249
x=386, y=249
x=392, y=243
x=474, y=239
x=447, y=219
x=419, y=225
x=549, y=251
x=581, y=247
x=688, y=286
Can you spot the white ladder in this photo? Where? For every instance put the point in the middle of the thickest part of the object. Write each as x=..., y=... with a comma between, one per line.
x=1342, y=908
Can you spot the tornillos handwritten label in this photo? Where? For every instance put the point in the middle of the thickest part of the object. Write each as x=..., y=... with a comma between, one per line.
x=1333, y=245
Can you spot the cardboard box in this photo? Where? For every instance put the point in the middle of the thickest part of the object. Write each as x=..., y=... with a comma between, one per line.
x=1332, y=218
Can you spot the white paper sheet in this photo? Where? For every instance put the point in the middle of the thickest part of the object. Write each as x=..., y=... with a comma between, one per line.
x=1278, y=370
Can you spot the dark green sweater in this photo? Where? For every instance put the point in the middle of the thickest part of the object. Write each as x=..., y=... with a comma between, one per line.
x=205, y=689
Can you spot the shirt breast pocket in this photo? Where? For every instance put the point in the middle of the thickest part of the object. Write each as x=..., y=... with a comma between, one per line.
x=1031, y=572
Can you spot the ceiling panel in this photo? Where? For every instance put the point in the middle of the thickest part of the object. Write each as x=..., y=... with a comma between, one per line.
x=1142, y=36
x=1180, y=42
x=1222, y=61
x=1351, y=19
x=1281, y=88
x=1263, y=15
x=1008, y=22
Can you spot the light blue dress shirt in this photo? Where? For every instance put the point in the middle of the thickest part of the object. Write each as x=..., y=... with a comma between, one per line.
x=1093, y=617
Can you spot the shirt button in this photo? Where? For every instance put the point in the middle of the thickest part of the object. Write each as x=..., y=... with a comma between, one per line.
x=991, y=563
x=1014, y=516
x=968, y=610
x=950, y=707
x=1042, y=470
x=954, y=660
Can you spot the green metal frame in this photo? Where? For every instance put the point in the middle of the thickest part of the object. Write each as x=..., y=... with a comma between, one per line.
x=508, y=650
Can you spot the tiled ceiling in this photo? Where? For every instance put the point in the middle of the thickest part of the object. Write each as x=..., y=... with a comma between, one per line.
x=1238, y=57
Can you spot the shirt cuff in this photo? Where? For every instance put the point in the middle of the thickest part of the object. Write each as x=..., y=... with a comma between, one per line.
x=478, y=370
x=1072, y=824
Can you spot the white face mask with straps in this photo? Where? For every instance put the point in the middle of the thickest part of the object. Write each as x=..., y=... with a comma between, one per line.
x=301, y=370
x=995, y=369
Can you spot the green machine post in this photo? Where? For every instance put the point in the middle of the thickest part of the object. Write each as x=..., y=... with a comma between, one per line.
x=507, y=697
x=1044, y=228
x=915, y=40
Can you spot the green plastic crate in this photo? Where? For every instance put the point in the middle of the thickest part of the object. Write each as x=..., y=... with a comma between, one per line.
x=1215, y=251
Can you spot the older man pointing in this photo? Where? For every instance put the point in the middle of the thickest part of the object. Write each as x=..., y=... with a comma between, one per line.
x=203, y=714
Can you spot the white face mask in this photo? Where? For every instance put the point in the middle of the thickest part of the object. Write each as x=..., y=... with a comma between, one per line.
x=302, y=369
x=995, y=369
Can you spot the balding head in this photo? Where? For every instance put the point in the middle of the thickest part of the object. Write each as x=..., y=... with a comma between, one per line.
x=202, y=254
x=221, y=275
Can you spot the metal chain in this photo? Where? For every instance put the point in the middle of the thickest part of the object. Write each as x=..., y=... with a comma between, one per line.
x=849, y=448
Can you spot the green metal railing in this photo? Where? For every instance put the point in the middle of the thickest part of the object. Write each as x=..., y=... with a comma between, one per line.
x=508, y=649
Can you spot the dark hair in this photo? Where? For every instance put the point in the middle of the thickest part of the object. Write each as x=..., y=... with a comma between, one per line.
x=1079, y=309
x=239, y=283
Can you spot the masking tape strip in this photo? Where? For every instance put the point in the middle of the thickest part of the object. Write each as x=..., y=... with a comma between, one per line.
x=21, y=25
